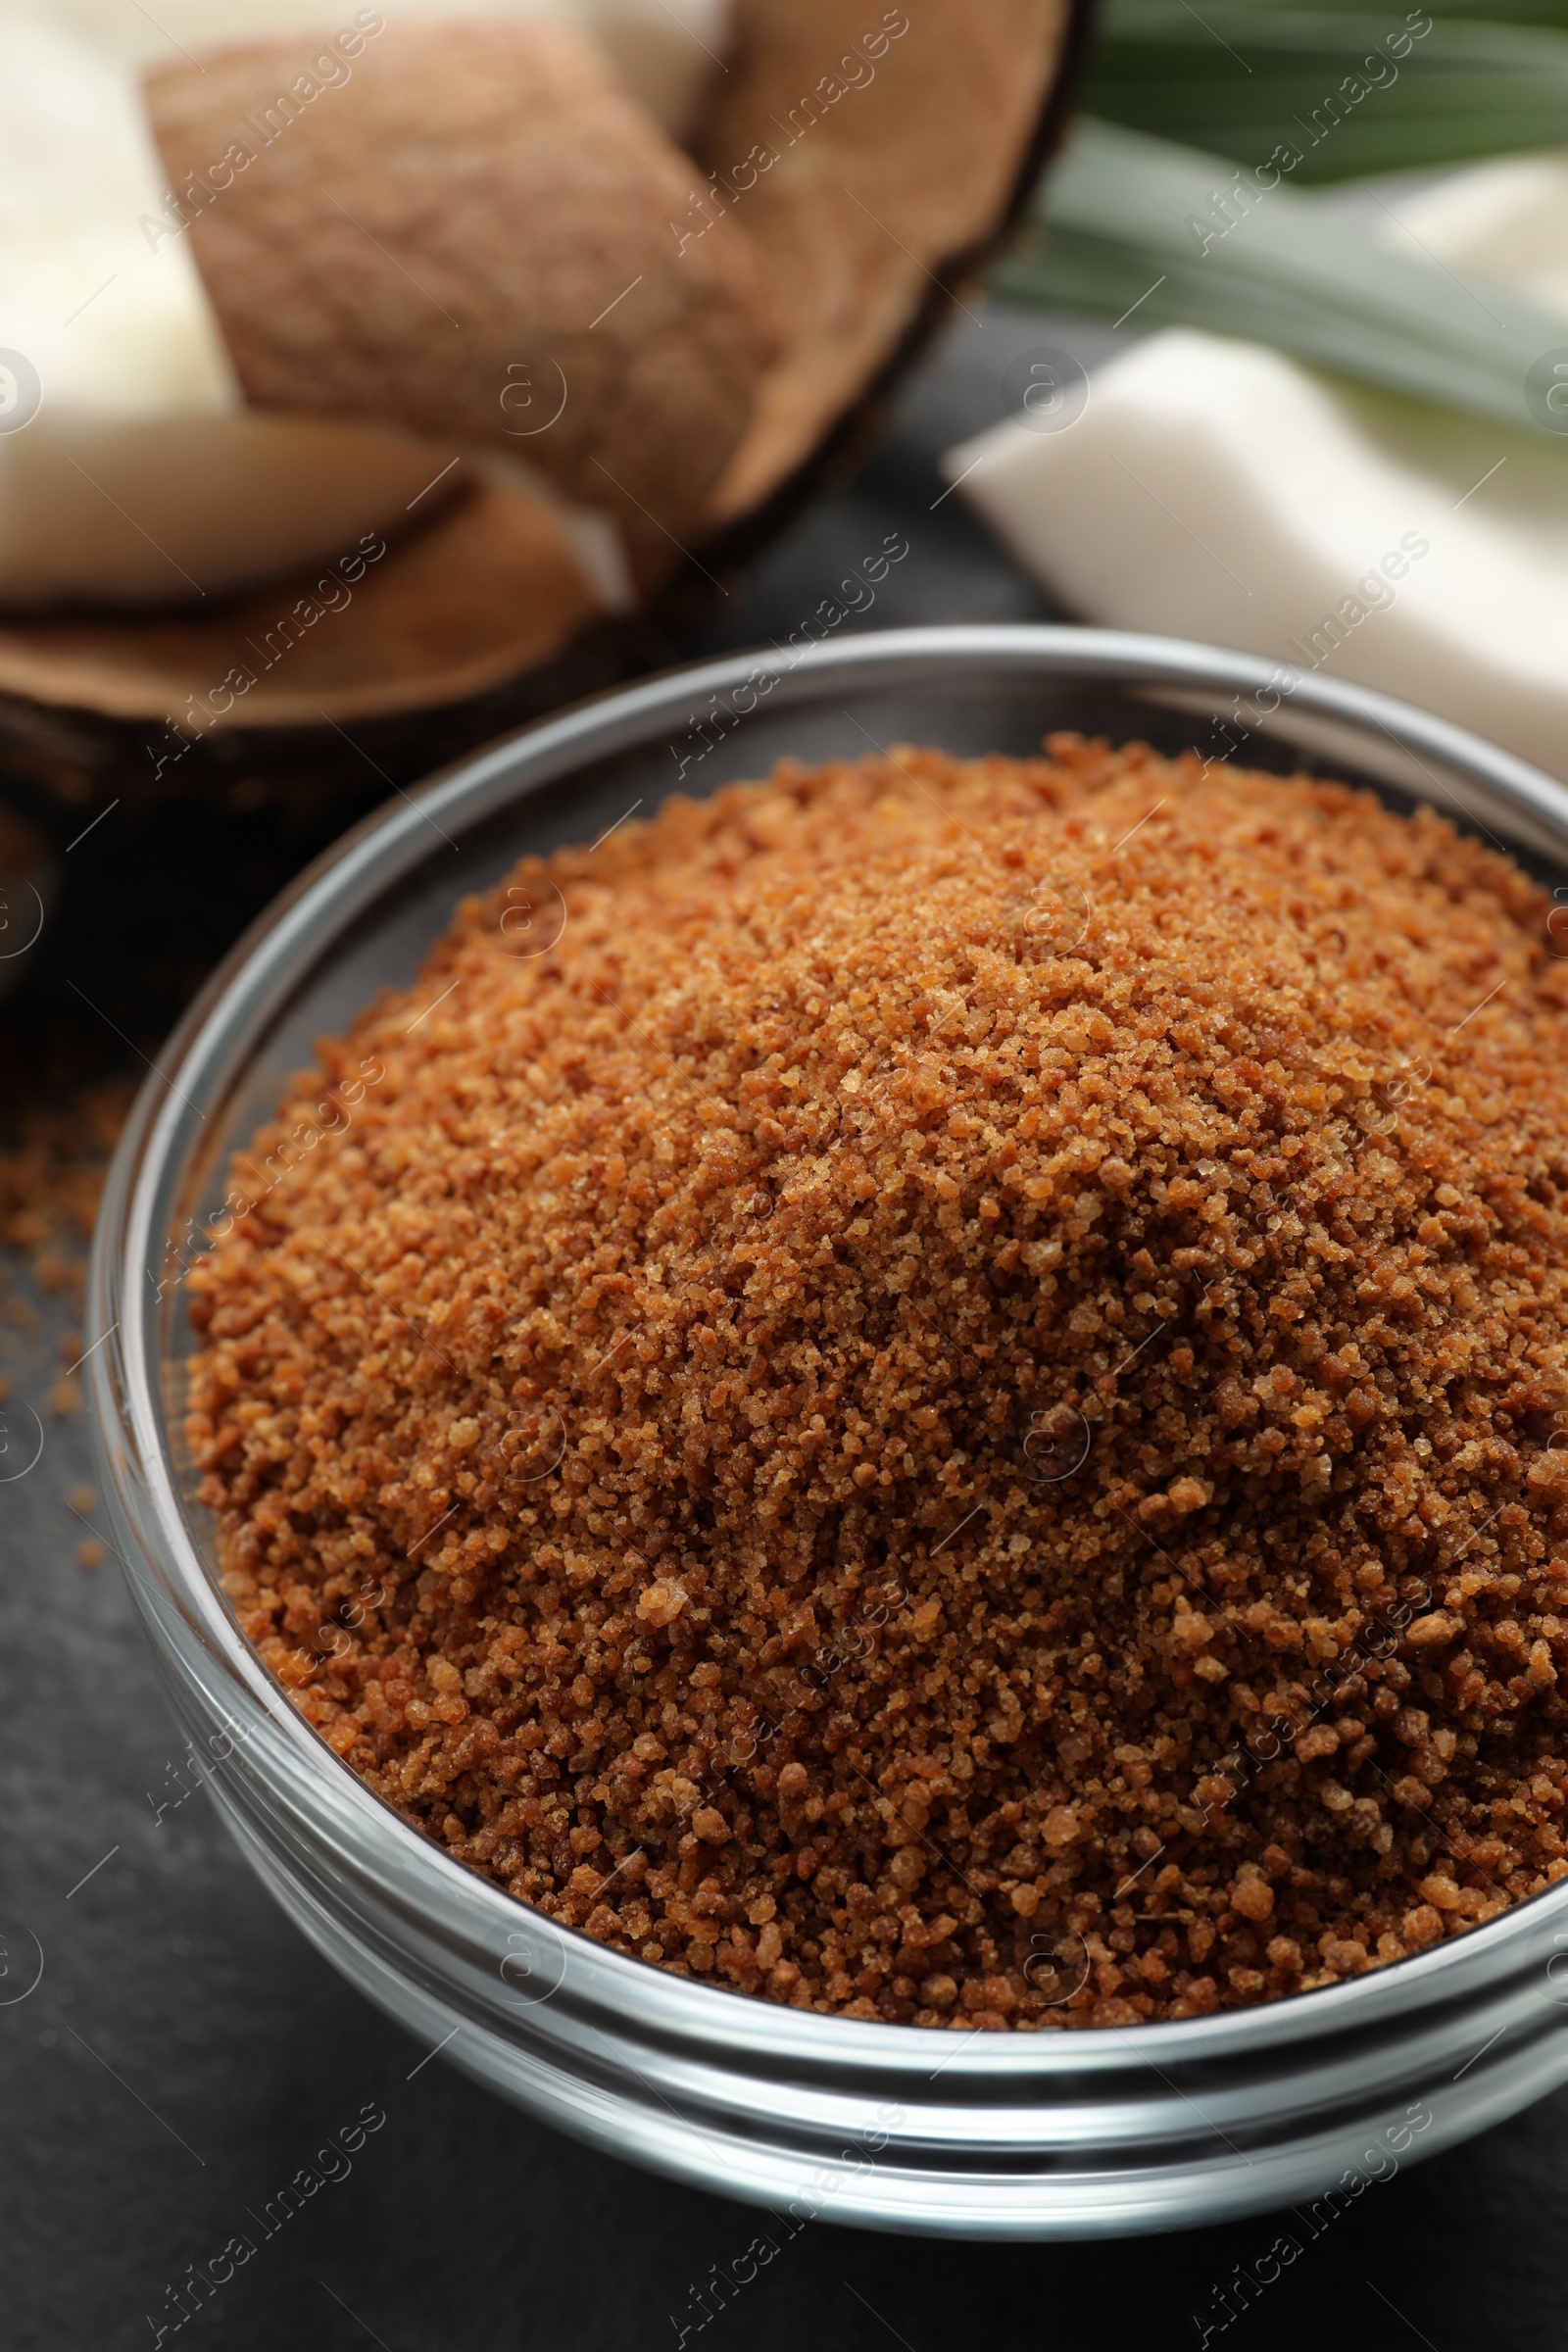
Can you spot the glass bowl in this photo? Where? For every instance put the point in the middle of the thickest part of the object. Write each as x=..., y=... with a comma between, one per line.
x=1044, y=2134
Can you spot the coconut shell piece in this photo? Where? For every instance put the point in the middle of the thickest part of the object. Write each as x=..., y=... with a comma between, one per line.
x=884, y=202
x=472, y=237
x=489, y=588
x=869, y=167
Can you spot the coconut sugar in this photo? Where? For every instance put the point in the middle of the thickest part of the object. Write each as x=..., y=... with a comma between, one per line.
x=953, y=1407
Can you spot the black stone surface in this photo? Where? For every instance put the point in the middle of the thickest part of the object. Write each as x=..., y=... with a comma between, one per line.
x=184, y=2052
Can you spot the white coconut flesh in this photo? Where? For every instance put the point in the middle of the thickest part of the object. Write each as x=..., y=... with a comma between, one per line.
x=1216, y=490
x=131, y=474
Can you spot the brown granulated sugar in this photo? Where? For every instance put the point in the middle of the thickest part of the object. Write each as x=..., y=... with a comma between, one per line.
x=953, y=1410
x=52, y=1170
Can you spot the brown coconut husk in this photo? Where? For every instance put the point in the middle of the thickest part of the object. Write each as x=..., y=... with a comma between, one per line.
x=903, y=148
x=530, y=192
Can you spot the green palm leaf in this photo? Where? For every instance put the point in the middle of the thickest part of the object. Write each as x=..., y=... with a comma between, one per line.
x=1240, y=78
x=1129, y=222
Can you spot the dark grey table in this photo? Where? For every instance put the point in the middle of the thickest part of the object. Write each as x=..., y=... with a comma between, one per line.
x=184, y=2052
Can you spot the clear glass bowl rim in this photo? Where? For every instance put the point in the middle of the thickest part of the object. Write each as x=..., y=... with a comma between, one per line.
x=257, y=974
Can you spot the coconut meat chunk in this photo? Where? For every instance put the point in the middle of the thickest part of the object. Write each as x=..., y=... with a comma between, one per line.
x=1217, y=490
x=131, y=473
